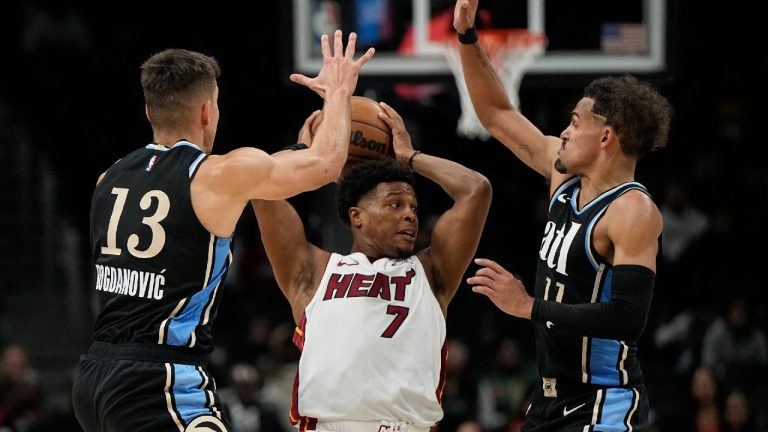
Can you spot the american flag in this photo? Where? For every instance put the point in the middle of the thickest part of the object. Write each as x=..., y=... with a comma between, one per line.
x=624, y=38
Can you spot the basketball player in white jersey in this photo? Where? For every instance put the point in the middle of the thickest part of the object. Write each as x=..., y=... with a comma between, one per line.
x=371, y=324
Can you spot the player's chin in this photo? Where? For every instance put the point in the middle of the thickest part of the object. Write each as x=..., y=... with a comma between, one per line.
x=405, y=250
x=560, y=166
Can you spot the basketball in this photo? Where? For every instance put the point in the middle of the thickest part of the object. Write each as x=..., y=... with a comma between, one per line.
x=370, y=137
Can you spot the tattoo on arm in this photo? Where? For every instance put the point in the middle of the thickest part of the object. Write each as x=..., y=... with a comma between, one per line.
x=486, y=64
x=492, y=72
x=526, y=149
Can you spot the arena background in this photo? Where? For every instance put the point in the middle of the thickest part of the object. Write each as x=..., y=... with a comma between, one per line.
x=71, y=104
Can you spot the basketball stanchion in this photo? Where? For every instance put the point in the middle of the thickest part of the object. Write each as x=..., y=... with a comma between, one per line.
x=511, y=52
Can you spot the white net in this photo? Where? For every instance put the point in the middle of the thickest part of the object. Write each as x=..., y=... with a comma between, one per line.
x=510, y=52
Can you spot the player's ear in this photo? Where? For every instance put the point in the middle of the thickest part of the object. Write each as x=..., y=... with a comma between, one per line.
x=355, y=218
x=146, y=113
x=205, y=113
x=606, y=134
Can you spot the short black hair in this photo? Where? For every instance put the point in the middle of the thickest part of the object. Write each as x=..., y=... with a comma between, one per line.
x=362, y=177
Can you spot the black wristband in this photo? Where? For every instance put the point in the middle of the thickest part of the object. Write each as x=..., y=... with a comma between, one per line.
x=469, y=37
x=297, y=146
x=410, y=159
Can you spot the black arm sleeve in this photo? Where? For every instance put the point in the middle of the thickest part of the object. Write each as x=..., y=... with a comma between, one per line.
x=623, y=317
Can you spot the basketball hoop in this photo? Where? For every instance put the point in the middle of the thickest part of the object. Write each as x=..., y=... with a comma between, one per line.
x=511, y=52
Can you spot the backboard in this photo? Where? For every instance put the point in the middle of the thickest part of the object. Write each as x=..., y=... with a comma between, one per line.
x=595, y=36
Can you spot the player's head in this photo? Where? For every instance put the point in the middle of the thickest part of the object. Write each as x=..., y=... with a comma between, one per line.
x=377, y=200
x=636, y=111
x=180, y=90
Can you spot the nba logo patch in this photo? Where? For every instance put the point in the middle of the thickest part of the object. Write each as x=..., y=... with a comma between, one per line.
x=151, y=163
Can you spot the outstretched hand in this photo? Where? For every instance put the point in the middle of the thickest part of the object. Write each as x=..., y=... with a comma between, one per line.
x=306, y=134
x=401, y=139
x=502, y=287
x=340, y=70
x=464, y=15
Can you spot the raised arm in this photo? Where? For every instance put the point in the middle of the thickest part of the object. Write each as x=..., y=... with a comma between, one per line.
x=457, y=232
x=225, y=184
x=288, y=174
x=297, y=264
x=492, y=104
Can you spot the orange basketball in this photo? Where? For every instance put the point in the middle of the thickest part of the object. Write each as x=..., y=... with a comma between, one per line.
x=370, y=137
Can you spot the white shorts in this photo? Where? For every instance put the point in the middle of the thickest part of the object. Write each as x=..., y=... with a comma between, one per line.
x=364, y=426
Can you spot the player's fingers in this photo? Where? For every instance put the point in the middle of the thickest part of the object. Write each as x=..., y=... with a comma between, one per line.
x=365, y=58
x=308, y=122
x=490, y=264
x=480, y=280
x=386, y=113
x=351, y=40
x=325, y=46
x=487, y=273
x=338, y=44
x=484, y=290
x=465, y=13
x=300, y=79
x=309, y=83
x=389, y=111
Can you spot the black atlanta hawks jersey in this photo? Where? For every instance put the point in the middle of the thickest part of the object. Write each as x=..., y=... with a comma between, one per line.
x=157, y=271
x=570, y=271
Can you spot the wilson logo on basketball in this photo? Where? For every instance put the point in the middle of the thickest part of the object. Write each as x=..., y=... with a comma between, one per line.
x=356, y=138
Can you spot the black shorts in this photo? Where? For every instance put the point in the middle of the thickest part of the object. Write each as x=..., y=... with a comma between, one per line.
x=137, y=388
x=587, y=408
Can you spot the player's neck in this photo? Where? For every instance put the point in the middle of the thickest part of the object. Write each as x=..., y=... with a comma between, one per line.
x=592, y=187
x=604, y=176
x=169, y=139
x=366, y=250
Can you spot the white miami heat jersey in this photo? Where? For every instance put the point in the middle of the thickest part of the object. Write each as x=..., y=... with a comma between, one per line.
x=373, y=345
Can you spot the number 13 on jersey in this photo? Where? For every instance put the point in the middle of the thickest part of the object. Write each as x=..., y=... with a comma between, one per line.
x=153, y=222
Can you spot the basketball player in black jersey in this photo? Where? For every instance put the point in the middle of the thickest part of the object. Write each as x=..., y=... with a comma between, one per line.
x=597, y=261
x=162, y=220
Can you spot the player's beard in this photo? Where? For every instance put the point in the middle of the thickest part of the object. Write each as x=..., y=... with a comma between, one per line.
x=560, y=167
x=403, y=252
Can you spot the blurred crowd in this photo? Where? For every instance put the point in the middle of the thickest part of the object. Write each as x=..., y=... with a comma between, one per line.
x=704, y=351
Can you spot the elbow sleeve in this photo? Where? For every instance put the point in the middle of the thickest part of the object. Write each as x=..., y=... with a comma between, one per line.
x=622, y=317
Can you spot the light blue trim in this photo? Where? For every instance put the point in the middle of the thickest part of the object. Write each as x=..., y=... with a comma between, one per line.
x=588, y=238
x=181, y=326
x=158, y=147
x=560, y=190
x=635, y=185
x=618, y=403
x=603, y=357
x=195, y=163
x=607, y=284
x=190, y=399
x=604, y=353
